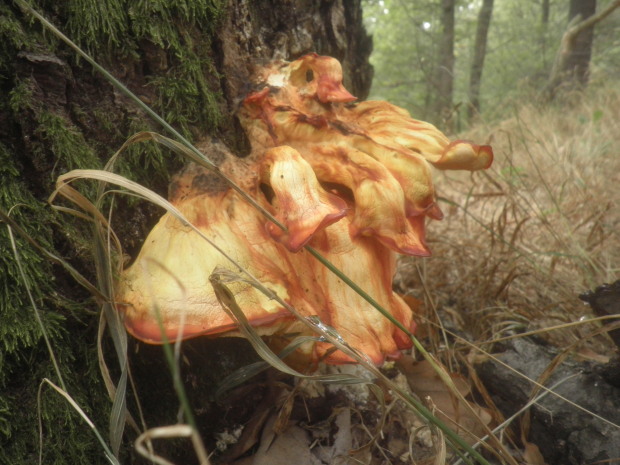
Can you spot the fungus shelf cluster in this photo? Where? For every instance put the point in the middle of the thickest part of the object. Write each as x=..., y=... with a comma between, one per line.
x=353, y=180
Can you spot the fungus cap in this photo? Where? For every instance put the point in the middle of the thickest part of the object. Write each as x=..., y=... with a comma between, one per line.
x=352, y=180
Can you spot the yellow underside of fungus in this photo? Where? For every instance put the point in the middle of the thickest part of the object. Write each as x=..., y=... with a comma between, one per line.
x=353, y=180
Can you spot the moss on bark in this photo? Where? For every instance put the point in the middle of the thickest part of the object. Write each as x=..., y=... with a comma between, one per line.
x=57, y=115
x=188, y=59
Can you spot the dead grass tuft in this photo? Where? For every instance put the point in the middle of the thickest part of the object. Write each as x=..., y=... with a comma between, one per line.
x=536, y=230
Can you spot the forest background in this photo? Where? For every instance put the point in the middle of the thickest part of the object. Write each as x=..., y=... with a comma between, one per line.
x=443, y=59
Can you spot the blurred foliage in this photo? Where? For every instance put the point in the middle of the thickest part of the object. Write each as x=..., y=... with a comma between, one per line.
x=520, y=52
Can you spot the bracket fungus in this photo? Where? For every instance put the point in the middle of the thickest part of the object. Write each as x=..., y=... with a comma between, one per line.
x=353, y=180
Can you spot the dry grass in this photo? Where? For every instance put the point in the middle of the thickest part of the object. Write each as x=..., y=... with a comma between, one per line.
x=536, y=230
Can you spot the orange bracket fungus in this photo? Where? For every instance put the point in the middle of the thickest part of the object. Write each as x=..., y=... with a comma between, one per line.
x=353, y=180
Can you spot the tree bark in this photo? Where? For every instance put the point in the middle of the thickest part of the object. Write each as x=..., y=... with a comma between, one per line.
x=477, y=65
x=253, y=32
x=444, y=72
x=190, y=60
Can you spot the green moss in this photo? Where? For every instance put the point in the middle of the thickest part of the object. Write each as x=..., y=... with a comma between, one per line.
x=12, y=30
x=144, y=162
x=18, y=328
x=109, y=24
x=184, y=96
x=42, y=141
x=67, y=143
x=99, y=24
x=5, y=418
x=160, y=20
x=57, y=146
x=21, y=97
x=66, y=438
x=24, y=360
x=57, y=137
x=104, y=117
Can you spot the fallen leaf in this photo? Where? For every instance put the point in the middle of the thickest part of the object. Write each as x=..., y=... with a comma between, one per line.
x=425, y=382
x=532, y=455
x=292, y=446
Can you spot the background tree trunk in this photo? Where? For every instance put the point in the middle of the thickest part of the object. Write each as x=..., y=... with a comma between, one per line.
x=572, y=62
x=480, y=49
x=544, y=33
x=190, y=60
x=577, y=63
x=545, y=10
x=444, y=75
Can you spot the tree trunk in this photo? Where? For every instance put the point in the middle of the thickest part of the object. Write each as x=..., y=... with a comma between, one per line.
x=444, y=74
x=480, y=48
x=190, y=60
x=546, y=7
x=544, y=34
x=577, y=63
x=572, y=62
